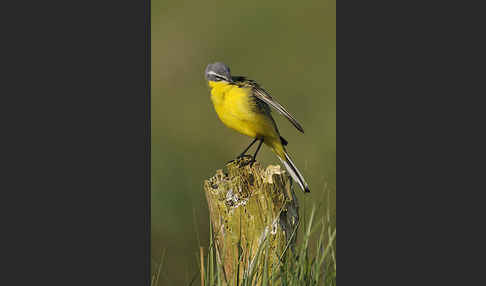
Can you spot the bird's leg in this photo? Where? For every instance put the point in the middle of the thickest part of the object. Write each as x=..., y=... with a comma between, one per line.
x=244, y=152
x=253, y=160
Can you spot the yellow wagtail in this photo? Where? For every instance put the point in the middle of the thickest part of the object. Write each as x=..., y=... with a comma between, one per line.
x=243, y=105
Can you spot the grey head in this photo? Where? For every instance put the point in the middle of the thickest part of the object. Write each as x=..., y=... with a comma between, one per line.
x=218, y=72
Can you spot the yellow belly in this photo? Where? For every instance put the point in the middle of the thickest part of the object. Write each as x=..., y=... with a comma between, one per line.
x=232, y=104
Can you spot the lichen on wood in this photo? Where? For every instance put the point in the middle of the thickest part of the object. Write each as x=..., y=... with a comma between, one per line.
x=250, y=207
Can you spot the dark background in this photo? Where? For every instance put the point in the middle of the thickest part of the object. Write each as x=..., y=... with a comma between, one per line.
x=290, y=48
x=75, y=143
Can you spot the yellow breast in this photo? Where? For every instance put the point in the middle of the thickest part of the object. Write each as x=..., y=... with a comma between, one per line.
x=235, y=109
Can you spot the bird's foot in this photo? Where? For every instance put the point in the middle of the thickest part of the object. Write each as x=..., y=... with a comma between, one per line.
x=243, y=156
x=250, y=162
x=240, y=157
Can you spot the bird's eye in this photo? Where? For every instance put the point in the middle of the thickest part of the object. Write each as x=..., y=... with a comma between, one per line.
x=218, y=78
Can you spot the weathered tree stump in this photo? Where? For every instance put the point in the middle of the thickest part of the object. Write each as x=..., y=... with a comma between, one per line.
x=251, y=209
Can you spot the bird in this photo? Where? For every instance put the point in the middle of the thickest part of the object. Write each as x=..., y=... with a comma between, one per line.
x=244, y=106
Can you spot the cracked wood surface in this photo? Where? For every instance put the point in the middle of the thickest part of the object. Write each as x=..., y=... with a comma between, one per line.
x=251, y=207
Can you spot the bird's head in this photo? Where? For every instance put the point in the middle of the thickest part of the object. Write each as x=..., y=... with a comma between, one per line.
x=218, y=72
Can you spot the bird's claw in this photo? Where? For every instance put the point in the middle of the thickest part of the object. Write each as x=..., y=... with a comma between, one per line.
x=243, y=156
x=240, y=157
x=246, y=163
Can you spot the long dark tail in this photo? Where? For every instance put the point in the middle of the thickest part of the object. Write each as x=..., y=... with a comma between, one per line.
x=294, y=172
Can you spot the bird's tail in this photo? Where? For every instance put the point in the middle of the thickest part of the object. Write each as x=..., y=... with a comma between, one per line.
x=291, y=168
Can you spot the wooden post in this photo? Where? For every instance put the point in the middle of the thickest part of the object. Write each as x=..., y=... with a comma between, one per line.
x=251, y=208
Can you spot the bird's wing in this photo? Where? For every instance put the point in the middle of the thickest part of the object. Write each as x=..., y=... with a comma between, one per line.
x=263, y=95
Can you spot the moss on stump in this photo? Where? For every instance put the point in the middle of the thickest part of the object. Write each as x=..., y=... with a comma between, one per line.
x=251, y=208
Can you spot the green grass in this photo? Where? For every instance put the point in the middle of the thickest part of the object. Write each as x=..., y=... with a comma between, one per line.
x=311, y=262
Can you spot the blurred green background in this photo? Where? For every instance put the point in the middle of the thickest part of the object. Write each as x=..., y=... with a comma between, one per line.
x=289, y=47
